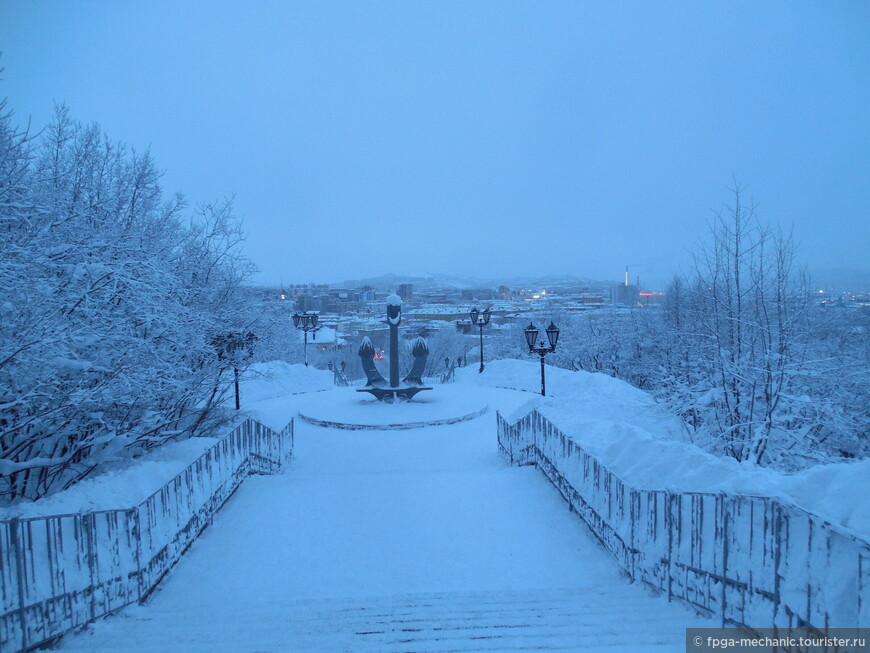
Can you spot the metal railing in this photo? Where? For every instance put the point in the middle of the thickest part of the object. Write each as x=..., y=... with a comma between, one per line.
x=339, y=377
x=62, y=571
x=753, y=561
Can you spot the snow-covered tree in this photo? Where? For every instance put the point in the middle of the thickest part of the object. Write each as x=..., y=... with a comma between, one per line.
x=112, y=300
x=739, y=352
x=751, y=324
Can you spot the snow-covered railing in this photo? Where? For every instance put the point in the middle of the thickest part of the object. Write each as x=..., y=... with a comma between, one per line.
x=753, y=561
x=62, y=571
x=338, y=376
x=449, y=375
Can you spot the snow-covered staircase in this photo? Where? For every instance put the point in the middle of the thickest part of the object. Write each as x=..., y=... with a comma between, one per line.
x=615, y=618
x=417, y=540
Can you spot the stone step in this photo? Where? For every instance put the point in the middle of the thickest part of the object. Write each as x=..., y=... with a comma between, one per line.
x=566, y=619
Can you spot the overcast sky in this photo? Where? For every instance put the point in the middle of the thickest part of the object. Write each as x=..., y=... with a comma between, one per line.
x=479, y=138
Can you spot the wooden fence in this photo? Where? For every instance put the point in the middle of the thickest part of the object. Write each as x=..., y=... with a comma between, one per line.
x=753, y=561
x=62, y=571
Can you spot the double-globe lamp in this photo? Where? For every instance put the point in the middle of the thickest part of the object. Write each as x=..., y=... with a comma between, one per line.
x=307, y=322
x=541, y=348
x=481, y=320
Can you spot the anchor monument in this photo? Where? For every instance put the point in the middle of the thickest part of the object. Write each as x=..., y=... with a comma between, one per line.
x=413, y=382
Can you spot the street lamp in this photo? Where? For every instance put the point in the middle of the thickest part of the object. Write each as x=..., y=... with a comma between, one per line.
x=481, y=320
x=236, y=348
x=541, y=349
x=306, y=322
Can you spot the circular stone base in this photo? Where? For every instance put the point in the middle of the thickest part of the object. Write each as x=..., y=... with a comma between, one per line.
x=344, y=408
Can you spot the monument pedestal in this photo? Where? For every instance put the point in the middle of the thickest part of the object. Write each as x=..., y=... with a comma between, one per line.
x=392, y=393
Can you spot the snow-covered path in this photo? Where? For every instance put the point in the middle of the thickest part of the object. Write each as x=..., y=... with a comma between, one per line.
x=418, y=540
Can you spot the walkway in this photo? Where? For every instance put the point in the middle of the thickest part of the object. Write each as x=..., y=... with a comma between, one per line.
x=418, y=540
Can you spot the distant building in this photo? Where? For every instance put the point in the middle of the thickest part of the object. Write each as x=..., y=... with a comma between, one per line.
x=344, y=294
x=478, y=293
x=434, y=315
x=304, y=303
x=406, y=291
x=463, y=326
x=366, y=293
x=435, y=298
x=650, y=298
x=324, y=339
x=589, y=298
x=623, y=294
x=322, y=303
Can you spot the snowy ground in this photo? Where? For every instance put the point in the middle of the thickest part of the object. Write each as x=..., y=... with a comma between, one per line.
x=122, y=484
x=619, y=424
x=416, y=540
x=444, y=402
x=425, y=539
x=639, y=441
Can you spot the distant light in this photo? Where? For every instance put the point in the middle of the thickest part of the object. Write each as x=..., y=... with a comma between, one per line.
x=283, y=296
x=543, y=292
x=821, y=291
x=536, y=296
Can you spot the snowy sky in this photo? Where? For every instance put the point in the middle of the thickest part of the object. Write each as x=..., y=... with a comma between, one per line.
x=487, y=139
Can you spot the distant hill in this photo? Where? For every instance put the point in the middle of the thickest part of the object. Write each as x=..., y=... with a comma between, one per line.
x=434, y=280
x=841, y=279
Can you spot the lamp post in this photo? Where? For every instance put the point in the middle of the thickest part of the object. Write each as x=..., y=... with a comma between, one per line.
x=236, y=348
x=481, y=320
x=541, y=349
x=306, y=322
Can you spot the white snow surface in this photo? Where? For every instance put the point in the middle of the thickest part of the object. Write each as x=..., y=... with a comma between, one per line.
x=425, y=539
x=118, y=485
x=279, y=379
x=637, y=439
x=443, y=402
x=418, y=540
x=394, y=300
x=276, y=392
x=622, y=426
x=323, y=336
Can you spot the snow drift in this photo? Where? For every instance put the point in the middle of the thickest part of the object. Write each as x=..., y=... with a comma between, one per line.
x=639, y=441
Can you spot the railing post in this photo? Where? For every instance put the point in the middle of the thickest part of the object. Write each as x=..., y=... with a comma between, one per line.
x=88, y=522
x=669, y=525
x=861, y=586
x=724, y=512
x=136, y=518
x=633, y=516
x=777, y=555
x=16, y=543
